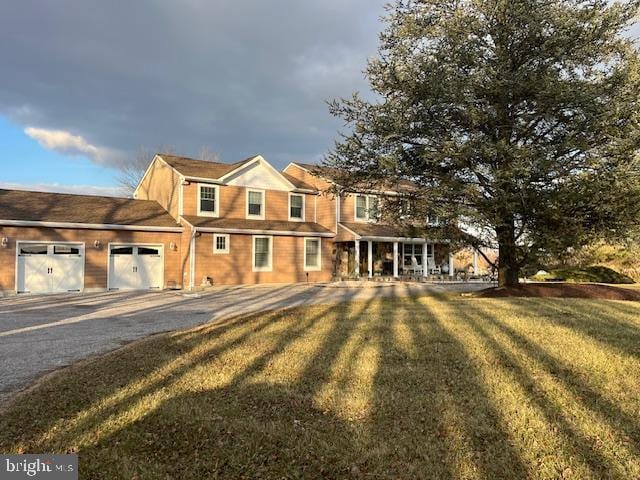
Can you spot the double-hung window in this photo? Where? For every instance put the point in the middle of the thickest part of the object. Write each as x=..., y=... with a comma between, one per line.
x=296, y=207
x=220, y=243
x=367, y=208
x=255, y=204
x=208, y=200
x=262, y=253
x=312, y=254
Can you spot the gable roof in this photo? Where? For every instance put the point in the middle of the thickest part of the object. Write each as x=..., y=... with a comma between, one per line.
x=26, y=206
x=191, y=167
x=298, y=183
x=332, y=173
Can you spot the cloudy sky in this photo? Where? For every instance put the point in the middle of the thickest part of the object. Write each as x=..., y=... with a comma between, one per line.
x=86, y=84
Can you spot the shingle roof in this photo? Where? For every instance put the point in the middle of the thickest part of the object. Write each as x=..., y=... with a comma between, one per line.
x=22, y=205
x=298, y=183
x=191, y=167
x=270, y=225
x=378, y=230
x=334, y=174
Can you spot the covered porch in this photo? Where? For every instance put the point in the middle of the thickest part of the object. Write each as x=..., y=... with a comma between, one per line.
x=379, y=257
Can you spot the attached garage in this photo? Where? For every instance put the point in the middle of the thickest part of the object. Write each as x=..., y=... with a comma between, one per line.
x=44, y=267
x=59, y=243
x=136, y=267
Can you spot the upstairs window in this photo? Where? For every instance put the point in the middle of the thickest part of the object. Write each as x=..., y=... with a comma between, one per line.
x=296, y=207
x=433, y=220
x=367, y=208
x=361, y=207
x=255, y=204
x=208, y=200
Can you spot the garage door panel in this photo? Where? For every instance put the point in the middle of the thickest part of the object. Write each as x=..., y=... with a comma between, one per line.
x=136, y=267
x=67, y=273
x=50, y=267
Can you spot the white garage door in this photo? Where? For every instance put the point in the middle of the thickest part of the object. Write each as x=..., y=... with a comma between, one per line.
x=136, y=267
x=50, y=267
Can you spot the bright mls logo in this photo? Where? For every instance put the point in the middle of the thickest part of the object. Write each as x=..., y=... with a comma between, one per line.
x=49, y=467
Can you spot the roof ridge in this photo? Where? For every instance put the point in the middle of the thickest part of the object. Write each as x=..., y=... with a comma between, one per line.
x=72, y=194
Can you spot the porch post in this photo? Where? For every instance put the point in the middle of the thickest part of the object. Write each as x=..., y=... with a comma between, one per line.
x=357, y=269
x=370, y=258
x=425, y=257
x=451, y=272
x=395, y=259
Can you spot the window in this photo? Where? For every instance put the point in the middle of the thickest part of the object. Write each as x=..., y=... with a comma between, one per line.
x=220, y=243
x=367, y=208
x=208, y=200
x=262, y=250
x=148, y=251
x=412, y=250
x=65, y=250
x=33, y=249
x=255, y=204
x=433, y=220
x=121, y=250
x=361, y=207
x=312, y=254
x=296, y=207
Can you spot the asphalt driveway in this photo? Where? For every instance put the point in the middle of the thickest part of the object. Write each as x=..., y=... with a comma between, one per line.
x=41, y=334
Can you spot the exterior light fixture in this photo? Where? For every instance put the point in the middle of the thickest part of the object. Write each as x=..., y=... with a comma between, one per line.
x=172, y=246
x=4, y=243
x=97, y=244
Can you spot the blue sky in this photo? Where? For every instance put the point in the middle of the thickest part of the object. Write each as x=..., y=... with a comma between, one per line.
x=27, y=164
x=87, y=84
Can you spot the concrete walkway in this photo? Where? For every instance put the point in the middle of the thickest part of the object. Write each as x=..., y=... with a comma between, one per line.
x=41, y=334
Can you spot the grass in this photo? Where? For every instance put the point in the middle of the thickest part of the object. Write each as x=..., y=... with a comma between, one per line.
x=400, y=388
x=596, y=274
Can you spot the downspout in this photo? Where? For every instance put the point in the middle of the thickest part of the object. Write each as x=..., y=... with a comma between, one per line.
x=192, y=259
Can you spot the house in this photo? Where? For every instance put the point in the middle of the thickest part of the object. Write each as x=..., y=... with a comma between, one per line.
x=194, y=223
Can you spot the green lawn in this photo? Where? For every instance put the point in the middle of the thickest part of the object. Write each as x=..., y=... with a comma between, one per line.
x=414, y=388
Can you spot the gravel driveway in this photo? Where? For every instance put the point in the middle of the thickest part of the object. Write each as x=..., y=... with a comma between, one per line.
x=41, y=334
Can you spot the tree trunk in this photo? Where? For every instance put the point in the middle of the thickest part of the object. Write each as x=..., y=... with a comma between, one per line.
x=508, y=270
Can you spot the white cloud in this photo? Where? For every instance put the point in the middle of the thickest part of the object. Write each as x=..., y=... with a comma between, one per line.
x=59, y=188
x=68, y=144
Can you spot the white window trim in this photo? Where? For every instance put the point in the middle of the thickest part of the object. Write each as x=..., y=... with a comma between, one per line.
x=226, y=243
x=367, y=200
x=217, y=200
x=294, y=219
x=269, y=267
x=264, y=203
x=313, y=268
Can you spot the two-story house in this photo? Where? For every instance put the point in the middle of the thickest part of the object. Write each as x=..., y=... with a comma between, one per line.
x=194, y=223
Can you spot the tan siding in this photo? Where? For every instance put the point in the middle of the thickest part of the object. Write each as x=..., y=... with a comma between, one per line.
x=235, y=267
x=301, y=174
x=347, y=208
x=326, y=202
x=233, y=203
x=96, y=260
x=162, y=184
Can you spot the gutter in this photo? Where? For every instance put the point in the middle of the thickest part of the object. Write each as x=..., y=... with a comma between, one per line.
x=88, y=226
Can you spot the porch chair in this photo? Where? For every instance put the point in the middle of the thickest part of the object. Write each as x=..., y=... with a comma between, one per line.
x=432, y=268
x=416, y=269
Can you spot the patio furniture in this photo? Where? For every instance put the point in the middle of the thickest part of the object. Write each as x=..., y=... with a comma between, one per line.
x=416, y=269
x=432, y=268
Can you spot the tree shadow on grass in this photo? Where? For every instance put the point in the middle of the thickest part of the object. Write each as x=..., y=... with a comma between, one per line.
x=384, y=389
x=579, y=445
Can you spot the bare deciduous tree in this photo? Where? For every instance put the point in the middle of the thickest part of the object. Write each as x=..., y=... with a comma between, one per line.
x=132, y=172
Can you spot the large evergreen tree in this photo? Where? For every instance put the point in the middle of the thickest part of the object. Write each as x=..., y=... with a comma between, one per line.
x=518, y=116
